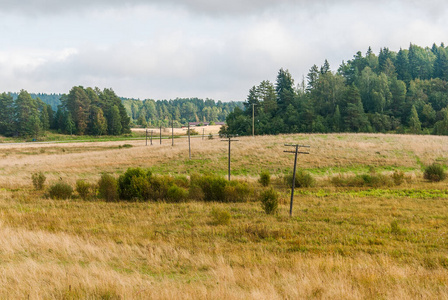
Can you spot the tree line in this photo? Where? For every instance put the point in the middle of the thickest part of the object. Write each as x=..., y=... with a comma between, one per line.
x=181, y=110
x=404, y=91
x=82, y=111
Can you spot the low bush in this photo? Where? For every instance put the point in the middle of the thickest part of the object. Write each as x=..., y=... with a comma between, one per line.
x=38, y=180
x=84, y=189
x=364, y=180
x=269, y=201
x=434, y=172
x=212, y=186
x=134, y=184
x=108, y=188
x=398, y=177
x=265, y=178
x=236, y=191
x=176, y=194
x=303, y=179
x=195, y=193
x=159, y=186
x=220, y=216
x=60, y=190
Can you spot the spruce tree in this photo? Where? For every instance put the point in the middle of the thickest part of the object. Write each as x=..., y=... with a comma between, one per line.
x=415, y=125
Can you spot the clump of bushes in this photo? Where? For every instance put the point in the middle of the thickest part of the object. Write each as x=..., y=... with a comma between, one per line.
x=265, y=178
x=434, y=172
x=38, y=180
x=303, y=179
x=269, y=201
x=236, y=191
x=176, y=194
x=60, y=190
x=398, y=177
x=213, y=187
x=220, y=216
x=364, y=180
x=134, y=184
x=108, y=188
x=84, y=189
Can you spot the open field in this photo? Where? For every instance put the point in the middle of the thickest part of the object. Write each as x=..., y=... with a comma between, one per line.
x=341, y=243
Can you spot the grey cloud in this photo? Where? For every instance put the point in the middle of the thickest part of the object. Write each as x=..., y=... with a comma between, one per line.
x=207, y=7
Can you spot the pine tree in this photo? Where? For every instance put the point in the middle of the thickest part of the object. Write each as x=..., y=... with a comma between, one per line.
x=415, y=125
x=27, y=115
x=7, y=124
x=285, y=90
x=114, y=125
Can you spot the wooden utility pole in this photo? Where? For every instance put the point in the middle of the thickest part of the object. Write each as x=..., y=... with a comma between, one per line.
x=146, y=131
x=189, y=145
x=296, y=151
x=253, y=119
x=160, y=134
x=229, y=138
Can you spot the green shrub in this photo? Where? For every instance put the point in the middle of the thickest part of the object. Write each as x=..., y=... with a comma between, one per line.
x=195, y=193
x=398, y=177
x=134, y=184
x=303, y=179
x=265, y=178
x=159, y=186
x=220, y=216
x=182, y=181
x=213, y=187
x=176, y=194
x=193, y=132
x=236, y=191
x=434, y=172
x=84, y=189
x=210, y=136
x=269, y=201
x=60, y=190
x=125, y=146
x=38, y=180
x=108, y=188
x=364, y=180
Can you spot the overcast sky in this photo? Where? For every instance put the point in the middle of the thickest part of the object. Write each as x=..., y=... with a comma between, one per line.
x=162, y=49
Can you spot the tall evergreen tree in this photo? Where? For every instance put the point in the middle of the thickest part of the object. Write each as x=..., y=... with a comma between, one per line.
x=285, y=90
x=415, y=125
x=27, y=115
x=7, y=115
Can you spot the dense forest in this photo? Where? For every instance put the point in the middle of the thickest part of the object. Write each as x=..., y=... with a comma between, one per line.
x=82, y=111
x=161, y=112
x=403, y=92
x=88, y=111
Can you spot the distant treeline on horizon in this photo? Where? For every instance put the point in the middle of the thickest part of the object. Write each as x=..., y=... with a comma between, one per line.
x=90, y=111
x=401, y=92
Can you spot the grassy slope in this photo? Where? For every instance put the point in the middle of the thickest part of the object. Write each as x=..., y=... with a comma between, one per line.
x=339, y=244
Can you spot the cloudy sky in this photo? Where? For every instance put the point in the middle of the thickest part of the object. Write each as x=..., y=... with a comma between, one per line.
x=162, y=49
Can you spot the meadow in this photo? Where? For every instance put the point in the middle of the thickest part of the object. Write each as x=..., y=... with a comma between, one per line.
x=340, y=243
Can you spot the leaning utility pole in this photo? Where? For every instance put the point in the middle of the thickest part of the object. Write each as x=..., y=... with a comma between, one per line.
x=229, y=138
x=296, y=151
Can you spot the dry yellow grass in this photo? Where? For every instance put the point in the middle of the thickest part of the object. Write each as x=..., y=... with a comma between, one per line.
x=329, y=154
x=339, y=245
